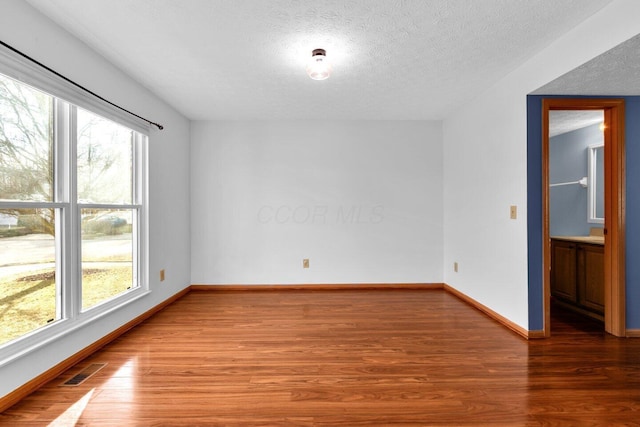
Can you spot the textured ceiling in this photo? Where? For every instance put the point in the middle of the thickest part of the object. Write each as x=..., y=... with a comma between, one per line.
x=563, y=121
x=245, y=59
x=615, y=72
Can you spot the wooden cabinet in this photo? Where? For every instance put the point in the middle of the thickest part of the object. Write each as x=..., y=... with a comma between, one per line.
x=577, y=275
x=591, y=277
x=564, y=270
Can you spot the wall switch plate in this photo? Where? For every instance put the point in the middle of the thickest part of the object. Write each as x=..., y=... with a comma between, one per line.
x=455, y=267
x=514, y=212
x=162, y=275
x=305, y=263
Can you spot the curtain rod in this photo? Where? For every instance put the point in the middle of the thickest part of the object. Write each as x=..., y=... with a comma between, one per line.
x=24, y=55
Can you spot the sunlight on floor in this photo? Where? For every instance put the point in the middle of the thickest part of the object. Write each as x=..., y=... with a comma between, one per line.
x=124, y=377
x=119, y=387
x=71, y=416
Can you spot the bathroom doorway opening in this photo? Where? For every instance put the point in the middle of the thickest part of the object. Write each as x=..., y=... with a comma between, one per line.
x=613, y=254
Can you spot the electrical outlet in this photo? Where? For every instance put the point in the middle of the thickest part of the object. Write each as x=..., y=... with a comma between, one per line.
x=162, y=275
x=455, y=267
x=305, y=263
x=514, y=212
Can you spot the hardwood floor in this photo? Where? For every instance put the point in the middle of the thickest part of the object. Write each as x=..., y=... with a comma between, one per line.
x=343, y=358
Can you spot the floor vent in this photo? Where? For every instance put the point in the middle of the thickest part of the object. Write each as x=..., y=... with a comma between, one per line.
x=83, y=375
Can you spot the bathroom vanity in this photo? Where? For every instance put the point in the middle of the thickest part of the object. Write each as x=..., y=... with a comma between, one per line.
x=577, y=273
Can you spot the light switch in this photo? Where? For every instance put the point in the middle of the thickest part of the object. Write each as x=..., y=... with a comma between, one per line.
x=514, y=212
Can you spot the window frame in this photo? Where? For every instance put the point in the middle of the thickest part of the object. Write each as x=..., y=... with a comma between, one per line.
x=68, y=236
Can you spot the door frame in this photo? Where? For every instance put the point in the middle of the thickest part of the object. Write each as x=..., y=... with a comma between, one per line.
x=614, y=208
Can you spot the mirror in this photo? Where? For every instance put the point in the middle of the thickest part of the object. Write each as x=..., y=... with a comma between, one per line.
x=595, y=197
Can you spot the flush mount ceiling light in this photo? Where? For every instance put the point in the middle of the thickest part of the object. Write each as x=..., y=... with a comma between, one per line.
x=319, y=67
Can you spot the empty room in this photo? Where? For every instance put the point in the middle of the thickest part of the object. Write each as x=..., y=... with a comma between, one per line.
x=319, y=213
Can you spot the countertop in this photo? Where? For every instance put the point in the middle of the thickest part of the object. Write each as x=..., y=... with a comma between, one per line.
x=594, y=240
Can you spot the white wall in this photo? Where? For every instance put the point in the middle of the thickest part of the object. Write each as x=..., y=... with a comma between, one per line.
x=29, y=31
x=485, y=164
x=362, y=200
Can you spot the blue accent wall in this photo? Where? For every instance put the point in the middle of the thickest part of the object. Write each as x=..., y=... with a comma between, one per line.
x=568, y=162
x=534, y=209
x=632, y=147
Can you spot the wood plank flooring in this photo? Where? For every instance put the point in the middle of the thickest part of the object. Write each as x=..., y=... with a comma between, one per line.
x=343, y=358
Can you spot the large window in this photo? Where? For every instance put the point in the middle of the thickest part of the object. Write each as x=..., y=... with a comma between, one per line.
x=72, y=213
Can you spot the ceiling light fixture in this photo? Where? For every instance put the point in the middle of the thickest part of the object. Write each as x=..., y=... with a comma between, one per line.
x=319, y=67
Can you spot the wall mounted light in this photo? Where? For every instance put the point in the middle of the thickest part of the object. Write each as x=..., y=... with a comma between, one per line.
x=319, y=67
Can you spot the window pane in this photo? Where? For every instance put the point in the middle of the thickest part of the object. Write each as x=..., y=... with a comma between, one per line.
x=26, y=142
x=105, y=159
x=107, y=254
x=27, y=271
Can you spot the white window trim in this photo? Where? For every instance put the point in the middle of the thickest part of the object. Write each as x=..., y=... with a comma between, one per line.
x=68, y=239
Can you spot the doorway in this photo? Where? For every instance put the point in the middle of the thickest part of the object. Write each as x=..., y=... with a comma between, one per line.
x=614, y=202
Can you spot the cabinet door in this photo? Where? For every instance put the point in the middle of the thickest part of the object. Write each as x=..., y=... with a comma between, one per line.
x=563, y=270
x=591, y=277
